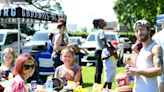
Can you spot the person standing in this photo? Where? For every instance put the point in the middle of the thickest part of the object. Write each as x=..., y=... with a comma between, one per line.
x=148, y=62
x=59, y=43
x=49, y=43
x=158, y=38
x=99, y=24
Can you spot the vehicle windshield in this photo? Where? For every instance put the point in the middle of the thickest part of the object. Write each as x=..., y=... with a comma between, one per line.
x=91, y=37
x=109, y=37
x=40, y=37
x=1, y=37
x=71, y=40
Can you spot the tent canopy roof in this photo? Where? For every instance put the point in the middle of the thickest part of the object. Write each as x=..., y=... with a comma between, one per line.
x=21, y=9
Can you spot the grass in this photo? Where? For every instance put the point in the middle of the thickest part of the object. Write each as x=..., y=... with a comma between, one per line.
x=88, y=76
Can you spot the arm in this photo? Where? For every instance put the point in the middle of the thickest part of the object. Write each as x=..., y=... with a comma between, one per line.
x=77, y=77
x=56, y=72
x=157, y=61
x=104, y=42
x=17, y=86
x=57, y=43
x=152, y=71
x=134, y=48
x=86, y=53
x=137, y=46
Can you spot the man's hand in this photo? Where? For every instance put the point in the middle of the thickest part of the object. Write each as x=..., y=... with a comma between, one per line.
x=131, y=71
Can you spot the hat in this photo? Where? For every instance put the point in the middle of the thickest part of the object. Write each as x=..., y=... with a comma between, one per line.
x=143, y=23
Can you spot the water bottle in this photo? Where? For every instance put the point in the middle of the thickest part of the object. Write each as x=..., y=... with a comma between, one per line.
x=129, y=77
x=49, y=84
x=33, y=85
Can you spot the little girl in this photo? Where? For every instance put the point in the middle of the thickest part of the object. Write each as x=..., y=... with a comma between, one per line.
x=69, y=71
x=23, y=69
x=8, y=59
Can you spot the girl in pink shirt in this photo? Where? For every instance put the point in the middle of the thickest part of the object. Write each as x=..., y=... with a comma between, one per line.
x=23, y=69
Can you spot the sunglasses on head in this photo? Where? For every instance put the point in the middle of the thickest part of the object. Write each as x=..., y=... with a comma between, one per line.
x=26, y=67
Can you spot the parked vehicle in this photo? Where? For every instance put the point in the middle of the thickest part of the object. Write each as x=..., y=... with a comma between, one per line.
x=90, y=45
x=38, y=40
x=125, y=44
x=9, y=38
x=75, y=40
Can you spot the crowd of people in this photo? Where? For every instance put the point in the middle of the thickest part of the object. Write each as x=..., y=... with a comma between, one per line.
x=63, y=61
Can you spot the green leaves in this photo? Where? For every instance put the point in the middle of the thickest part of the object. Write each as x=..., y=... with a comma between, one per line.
x=128, y=11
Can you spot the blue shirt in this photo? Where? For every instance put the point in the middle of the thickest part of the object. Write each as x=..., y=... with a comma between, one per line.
x=45, y=63
x=50, y=46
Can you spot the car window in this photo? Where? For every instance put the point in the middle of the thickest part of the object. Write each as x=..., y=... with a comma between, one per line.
x=1, y=37
x=11, y=38
x=91, y=37
x=40, y=37
x=110, y=37
x=71, y=40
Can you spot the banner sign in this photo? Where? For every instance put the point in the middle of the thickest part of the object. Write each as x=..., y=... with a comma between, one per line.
x=29, y=11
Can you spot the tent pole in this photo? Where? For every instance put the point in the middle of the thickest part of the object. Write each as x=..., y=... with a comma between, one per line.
x=19, y=36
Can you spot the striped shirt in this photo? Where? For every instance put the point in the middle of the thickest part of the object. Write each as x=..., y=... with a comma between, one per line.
x=45, y=63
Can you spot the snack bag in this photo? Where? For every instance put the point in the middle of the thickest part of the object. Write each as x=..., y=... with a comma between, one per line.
x=121, y=79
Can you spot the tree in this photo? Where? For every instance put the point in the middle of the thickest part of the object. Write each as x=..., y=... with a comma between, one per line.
x=48, y=5
x=129, y=11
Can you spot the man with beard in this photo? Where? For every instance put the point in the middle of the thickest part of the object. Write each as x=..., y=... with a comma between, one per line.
x=148, y=63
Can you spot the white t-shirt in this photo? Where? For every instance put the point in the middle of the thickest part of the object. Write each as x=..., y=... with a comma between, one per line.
x=99, y=36
x=108, y=63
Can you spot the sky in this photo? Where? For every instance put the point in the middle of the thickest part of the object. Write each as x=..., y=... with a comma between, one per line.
x=82, y=12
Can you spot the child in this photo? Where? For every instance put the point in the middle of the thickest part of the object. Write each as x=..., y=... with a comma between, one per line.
x=45, y=64
x=108, y=57
x=79, y=54
x=69, y=71
x=49, y=43
x=8, y=59
x=24, y=68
